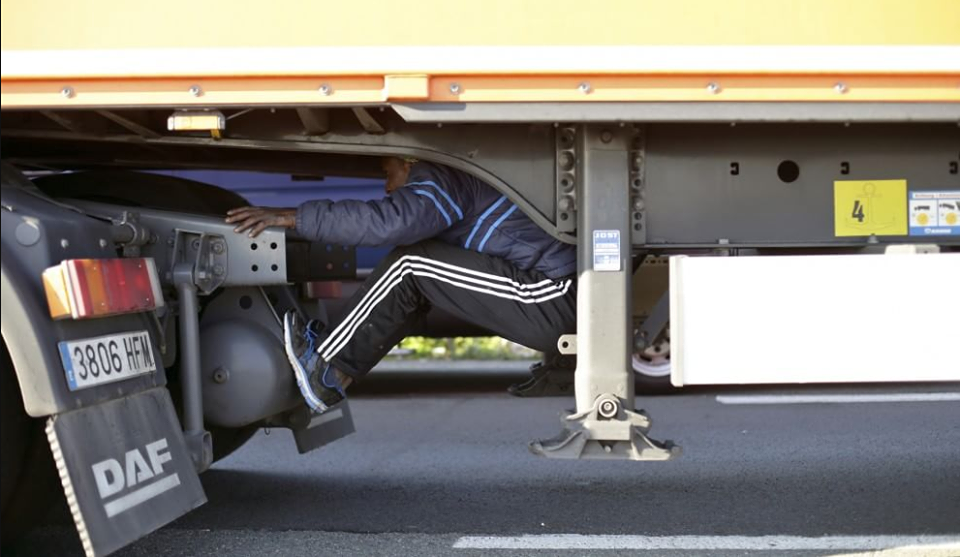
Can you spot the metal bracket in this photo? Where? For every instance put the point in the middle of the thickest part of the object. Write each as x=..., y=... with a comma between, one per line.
x=638, y=203
x=566, y=174
x=368, y=122
x=606, y=431
x=130, y=234
x=317, y=261
x=208, y=253
x=654, y=324
x=316, y=121
x=567, y=345
x=221, y=257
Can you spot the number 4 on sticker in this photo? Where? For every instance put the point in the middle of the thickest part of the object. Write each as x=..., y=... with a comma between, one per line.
x=868, y=207
x=857, y=212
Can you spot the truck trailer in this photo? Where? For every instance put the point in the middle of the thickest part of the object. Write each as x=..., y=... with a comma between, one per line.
x=759, y=192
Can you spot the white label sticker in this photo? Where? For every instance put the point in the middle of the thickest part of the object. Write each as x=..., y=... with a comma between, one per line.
x=606, y=250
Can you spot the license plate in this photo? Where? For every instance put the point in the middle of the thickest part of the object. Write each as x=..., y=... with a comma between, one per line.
x=95, y=361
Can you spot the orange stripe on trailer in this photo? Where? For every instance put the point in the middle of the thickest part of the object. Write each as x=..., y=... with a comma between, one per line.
x=190, y=92
x=552, y=88
x=700, y=88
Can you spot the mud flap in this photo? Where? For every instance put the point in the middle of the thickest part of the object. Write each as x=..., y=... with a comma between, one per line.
x=125, y=469
x=312, y=431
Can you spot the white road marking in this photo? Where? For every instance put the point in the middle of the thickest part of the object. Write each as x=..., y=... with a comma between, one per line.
x=732, y=543
x=837, y=399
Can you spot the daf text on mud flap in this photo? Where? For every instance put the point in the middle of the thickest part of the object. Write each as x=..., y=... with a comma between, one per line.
x=138, y=467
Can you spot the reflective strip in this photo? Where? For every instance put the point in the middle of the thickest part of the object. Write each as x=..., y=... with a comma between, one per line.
x=437, y=203
x=496, y=223
x=443, y=192
x=480, y=220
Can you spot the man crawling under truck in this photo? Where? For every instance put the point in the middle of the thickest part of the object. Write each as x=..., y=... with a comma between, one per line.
x=461, y=246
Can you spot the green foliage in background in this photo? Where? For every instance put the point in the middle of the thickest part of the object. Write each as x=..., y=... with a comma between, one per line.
x=462, y=348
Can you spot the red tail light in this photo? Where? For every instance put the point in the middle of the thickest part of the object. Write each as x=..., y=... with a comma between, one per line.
x=85, y=288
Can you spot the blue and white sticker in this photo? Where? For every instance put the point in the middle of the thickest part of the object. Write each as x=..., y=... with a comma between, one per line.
x=935, y=213
x=606, y=250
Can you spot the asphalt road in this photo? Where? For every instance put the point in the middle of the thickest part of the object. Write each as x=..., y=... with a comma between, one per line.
x=444, y=470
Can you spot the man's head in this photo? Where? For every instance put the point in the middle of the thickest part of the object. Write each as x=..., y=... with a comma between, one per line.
x=397, y=171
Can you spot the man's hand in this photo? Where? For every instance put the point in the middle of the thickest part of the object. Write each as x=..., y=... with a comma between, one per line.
x=258, y=219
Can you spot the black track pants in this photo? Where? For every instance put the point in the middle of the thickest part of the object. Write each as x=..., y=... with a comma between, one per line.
x=523, y=306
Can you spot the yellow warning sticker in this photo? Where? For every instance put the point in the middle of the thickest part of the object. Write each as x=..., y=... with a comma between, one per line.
x=871, y=207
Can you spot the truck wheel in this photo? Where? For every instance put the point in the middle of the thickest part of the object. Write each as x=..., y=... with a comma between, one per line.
x=14, y=429
x=29, y=480
x=156, y=191
x=652, y=368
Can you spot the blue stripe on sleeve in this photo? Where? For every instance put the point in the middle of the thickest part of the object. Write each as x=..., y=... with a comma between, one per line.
x=496, y=223
x=480, y=220
x=443, y=192
x=437, y=203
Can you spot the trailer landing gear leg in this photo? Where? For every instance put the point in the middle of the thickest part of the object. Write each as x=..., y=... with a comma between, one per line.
x=591, y=434
x=608, y=164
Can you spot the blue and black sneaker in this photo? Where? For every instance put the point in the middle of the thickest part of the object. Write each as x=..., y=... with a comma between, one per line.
x=316, y=378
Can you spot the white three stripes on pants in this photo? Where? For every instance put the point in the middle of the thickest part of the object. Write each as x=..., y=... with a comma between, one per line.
x=461, y=277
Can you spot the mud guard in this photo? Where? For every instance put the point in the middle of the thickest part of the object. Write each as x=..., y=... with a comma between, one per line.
x=131, y=478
